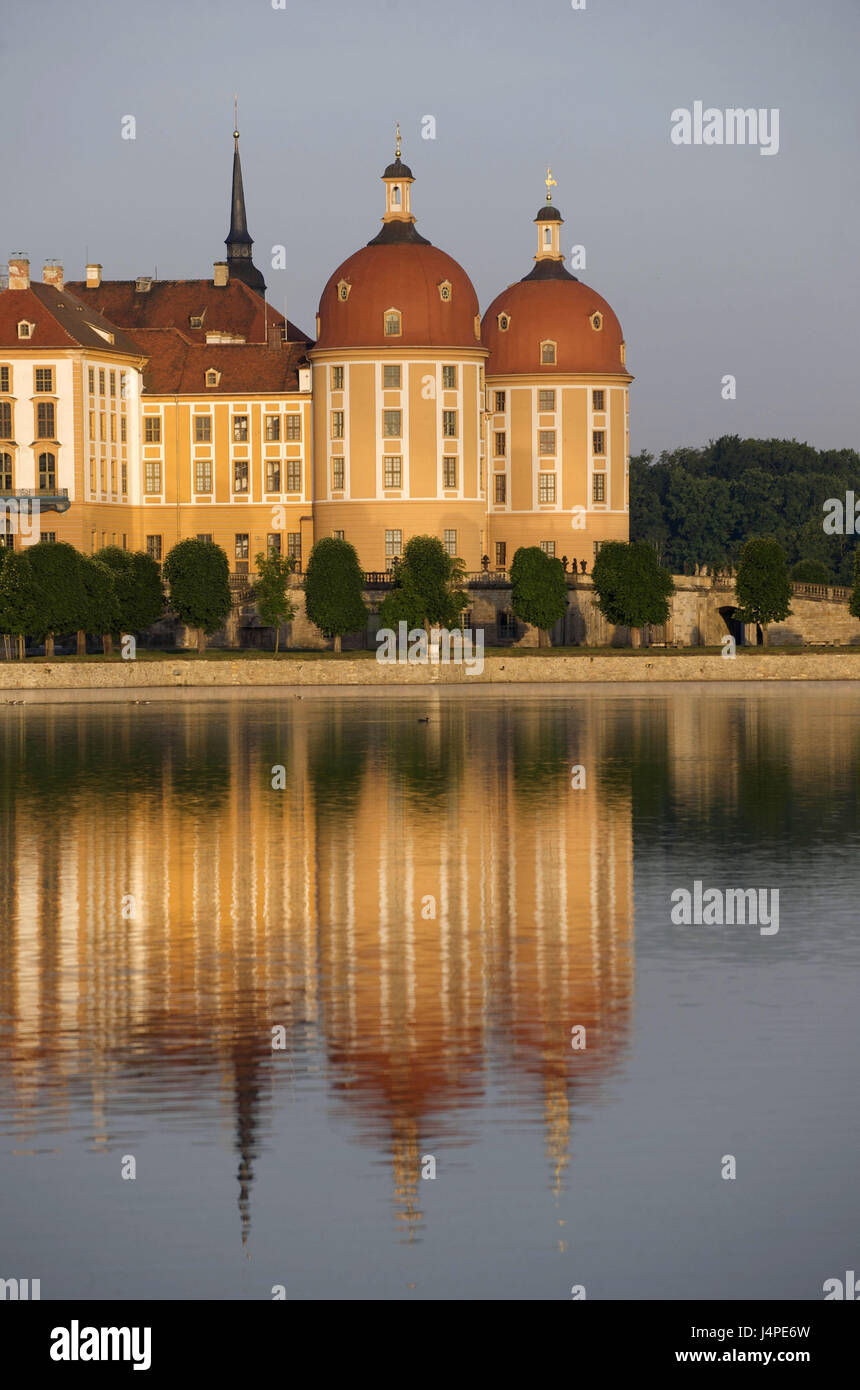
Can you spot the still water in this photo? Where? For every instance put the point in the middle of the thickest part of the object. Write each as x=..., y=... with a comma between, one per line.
x=329, y=1023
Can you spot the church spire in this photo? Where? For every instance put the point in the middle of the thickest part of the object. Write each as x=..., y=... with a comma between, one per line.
x=238, y=240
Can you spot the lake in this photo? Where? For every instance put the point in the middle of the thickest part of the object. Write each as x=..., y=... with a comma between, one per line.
x=378, y=994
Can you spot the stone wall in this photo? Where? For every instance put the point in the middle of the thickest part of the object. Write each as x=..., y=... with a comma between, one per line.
x=701, y=616
x=69, y=679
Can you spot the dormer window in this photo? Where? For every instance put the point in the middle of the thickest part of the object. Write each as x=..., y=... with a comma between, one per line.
x=504, y=322
x=547, y=353
x=624, y=354
x=392, y=323
x=343, y=289
x=195, y=320
x=212, y=377
x=597, y=322
x=445, y=291
x=25, y=329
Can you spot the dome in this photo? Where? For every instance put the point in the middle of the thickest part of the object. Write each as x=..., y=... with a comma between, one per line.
x=550, y=307
x=434, y=295
x=398, y=170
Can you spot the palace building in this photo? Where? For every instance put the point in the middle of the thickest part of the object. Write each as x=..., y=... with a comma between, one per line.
x=142, y=412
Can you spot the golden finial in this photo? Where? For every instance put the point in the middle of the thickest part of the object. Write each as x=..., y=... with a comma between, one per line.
x=551, y=183
x=397, y=129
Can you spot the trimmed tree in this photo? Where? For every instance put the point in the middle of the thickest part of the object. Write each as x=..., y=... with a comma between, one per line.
x=270, y=591
x=854, y=601
x=631, y=585
x=198, y=576
x=538, y=589
x=427, y=587
x=57, y=567
x=334, y=589
x=101, y=606
x=138, y=586
x=811, y=572
x=22, y=600
x=762, y=585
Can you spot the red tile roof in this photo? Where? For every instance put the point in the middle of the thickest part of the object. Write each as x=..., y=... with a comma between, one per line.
x=178, y=367
x=61, y=321
x=231, y=308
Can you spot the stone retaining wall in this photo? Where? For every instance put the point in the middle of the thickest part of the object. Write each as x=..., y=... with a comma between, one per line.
x=286, y=674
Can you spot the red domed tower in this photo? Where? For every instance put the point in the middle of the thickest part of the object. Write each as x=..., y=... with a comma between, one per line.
x=557, y=387
x=398, y=390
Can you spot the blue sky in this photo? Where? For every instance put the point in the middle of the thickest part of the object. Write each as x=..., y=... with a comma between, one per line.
x=718, y=260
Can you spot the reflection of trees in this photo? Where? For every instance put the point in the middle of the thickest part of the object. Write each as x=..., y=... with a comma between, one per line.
x=736, y=767
x=539, y=750
x=62, y=757
x=426, y=761
x=338, y=747
x=635, y=763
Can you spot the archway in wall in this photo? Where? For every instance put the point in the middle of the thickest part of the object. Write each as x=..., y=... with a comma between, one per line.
x=733, y=624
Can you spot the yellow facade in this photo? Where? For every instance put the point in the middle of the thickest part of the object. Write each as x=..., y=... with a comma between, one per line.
x=394, y=461
x=558, y=489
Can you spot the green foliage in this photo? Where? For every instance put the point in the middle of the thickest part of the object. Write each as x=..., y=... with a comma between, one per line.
x=427, y=588
x=763, y=586
x=854, y=601
x=402, y=606
x=811, y=572
x=270, y=590
x=198, y=577
x=699, y=506
x=59, y=575
x=23, y=602
x=139, y=590
x=631, y=585
x=334, y=584
x=538, y=587
x=100, y=601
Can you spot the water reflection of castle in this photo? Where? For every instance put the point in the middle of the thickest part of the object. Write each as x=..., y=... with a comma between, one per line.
x=425, y=901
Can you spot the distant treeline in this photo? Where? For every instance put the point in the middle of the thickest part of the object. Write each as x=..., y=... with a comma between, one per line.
x=698, y=506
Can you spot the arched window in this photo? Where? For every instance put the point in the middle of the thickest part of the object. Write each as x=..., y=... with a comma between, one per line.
x=392, y=323
x=395, y=196
x=47, y=473
x=547, y=354
x=547, y=236
x=5, y=472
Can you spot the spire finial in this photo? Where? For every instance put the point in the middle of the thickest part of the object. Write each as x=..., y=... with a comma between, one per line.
x=551, y=183
x=397, y=129
x=235, y=115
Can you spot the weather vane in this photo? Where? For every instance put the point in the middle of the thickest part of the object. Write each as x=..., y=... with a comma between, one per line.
x=551, y=183
x=397, y=129
x=236, y=115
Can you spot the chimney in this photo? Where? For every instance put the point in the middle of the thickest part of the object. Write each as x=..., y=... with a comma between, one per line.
x=52, y=274
x=94, y=276
x=19, y=273
x=222, y=273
